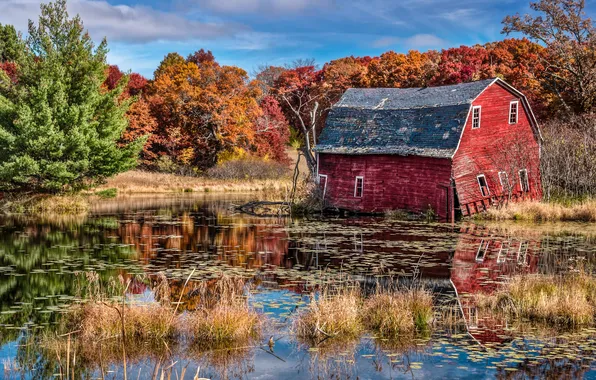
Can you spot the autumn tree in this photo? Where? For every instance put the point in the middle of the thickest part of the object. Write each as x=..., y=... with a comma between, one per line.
x=463, y=64
x=349, y=72
x=266, y=77
x=392, y=69
x=271, y=131
x=202, y=109
x=60, y=130
x=141, y=123
x=570, y=40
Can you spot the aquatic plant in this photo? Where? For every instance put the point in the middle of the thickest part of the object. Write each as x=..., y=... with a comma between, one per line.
x=562, y=300
x=394, y=313
x=330, y=314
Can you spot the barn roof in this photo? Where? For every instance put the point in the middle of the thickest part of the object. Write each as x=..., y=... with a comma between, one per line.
x=405, y=121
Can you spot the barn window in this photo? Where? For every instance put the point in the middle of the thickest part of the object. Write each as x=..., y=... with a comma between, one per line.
x=323, y=184
x=359, y=187
x=482, y=251
x=504, y=179
x=483, y=185
x=503, y=252
x=476, y=111
x=524, y=180
x=513, y=112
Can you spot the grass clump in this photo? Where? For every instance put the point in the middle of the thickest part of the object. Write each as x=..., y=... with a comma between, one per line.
x=330, y=315
x=224, y=324
x=47, y=204
x=100, y=320
x=564, y=301
x=224, y=315
x=392, y=314
x=584, y=211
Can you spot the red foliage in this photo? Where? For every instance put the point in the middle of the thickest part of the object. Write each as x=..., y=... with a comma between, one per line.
x=11, y=69
x=272, y=131
x=114, y=76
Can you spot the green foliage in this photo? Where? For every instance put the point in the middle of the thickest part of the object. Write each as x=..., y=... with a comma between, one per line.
x=107, y=193
x=11, y=44
x=59, y=128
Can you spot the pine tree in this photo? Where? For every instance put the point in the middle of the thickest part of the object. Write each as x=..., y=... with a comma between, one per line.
x=59, y=128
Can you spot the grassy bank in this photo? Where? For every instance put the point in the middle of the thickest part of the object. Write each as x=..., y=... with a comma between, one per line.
x=142, y=182
x=561, y=301
x=543, y=212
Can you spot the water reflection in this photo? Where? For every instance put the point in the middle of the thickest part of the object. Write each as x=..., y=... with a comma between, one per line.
x=42, y=261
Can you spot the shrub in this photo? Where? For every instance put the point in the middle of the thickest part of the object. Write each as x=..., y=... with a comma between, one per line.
x=107, y=193
x=249, y=168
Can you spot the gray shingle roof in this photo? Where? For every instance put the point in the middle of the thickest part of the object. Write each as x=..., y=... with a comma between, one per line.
x=413, y=121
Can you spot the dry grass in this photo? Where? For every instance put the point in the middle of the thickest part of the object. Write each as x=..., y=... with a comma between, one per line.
x=224, y=316
x=224, y=325
x=543, y=212
x=392, y=314
x=568, y=300
x=149, y=182
x=99, y=320
x=47, y=204
x=346, y=313
x=330, y=315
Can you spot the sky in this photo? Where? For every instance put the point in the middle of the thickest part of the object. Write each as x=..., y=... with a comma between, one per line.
x=250, y=33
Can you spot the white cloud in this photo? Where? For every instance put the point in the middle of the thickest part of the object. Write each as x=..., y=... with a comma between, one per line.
x=417, y=41
x=263, y=6
x=121, y=22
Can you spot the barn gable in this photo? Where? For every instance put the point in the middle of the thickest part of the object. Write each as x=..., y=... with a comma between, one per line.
x=424, y=122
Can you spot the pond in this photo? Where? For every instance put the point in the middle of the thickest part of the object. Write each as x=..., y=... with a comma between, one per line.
x=45, y=263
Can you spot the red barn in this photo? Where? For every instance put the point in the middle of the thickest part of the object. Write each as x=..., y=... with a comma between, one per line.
x=458, y=148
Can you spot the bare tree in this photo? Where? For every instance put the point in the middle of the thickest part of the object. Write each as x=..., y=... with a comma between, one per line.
x=570, y=37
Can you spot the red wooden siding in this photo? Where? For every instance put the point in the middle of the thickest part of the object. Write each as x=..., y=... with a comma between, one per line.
x=390, y=182
x=482, y=151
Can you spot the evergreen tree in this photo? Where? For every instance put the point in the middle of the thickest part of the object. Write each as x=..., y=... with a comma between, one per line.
x=59, y=128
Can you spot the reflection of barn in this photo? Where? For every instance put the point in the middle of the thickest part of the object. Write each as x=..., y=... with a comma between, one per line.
x=483, y=260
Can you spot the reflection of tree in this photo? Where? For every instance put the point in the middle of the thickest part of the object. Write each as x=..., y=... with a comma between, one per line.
x=40, y=262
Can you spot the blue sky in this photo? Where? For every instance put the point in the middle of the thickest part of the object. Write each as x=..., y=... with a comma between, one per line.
x=248, y=33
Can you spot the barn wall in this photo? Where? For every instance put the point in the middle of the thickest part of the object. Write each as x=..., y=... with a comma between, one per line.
x=496, y=146
x=390, y=182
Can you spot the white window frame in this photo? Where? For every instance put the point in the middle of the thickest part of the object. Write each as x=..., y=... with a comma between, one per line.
x=516, y=102
x=356, y=187
x=521, y=183
x=504, y=251
x=321, y=176
x=483, y=248
x=522, y=257
x=480, y=186
x=479, y=108
x=501, y=181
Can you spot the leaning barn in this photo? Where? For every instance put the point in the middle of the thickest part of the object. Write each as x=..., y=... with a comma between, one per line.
x=459, y=148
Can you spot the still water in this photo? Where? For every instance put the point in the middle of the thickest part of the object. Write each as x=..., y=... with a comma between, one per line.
x=44, y=264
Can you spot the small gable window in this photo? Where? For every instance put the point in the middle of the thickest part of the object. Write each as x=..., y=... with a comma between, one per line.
x=513, y=112
x=524, y=180
x=476, y=111
x=359, y=187
x=483, y=185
